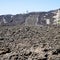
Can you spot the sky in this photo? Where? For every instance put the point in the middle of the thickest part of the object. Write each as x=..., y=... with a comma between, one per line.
x=24, y=6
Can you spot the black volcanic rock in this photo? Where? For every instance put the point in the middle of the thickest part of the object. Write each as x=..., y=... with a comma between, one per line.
x=29, y=42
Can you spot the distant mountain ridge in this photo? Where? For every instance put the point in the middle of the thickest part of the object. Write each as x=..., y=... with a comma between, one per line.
x=32, y=18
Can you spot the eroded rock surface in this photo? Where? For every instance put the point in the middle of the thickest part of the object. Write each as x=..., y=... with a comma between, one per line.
x=30, y=43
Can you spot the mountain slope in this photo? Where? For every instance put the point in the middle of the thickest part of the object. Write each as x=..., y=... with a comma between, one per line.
x=33, y=18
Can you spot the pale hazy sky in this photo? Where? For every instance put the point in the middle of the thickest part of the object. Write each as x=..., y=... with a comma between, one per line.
x=21, y=6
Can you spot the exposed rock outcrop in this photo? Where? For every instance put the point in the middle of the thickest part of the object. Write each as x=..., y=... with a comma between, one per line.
x=30, y=43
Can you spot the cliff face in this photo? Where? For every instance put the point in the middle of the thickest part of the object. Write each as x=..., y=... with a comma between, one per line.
x=33, y=18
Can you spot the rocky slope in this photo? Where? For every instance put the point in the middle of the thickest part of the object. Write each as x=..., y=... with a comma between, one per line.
x=29, y=42
x=32, y=18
